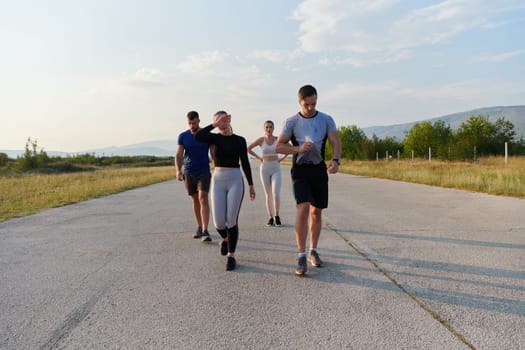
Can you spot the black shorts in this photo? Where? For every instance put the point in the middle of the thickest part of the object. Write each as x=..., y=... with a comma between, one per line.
x=197, y=182
x=310, y=184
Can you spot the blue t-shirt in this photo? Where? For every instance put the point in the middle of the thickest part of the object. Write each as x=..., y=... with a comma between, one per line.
x=314, y=129
x=195, y=154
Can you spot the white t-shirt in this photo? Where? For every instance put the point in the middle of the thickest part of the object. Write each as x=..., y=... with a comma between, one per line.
x=301, y=129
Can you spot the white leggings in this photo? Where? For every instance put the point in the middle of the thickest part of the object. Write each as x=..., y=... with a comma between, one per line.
x=227, y=191
x=271, y=180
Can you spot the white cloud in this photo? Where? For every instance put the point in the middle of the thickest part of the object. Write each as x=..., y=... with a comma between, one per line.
x=499, y=57
x=203, y=63
x=371, y=59
x=367, y=104
x=232, y=76
x=147, y=77
x=361, y=27
x=268, y=55
x=324, y=61
x=217, y=73
x=388, y=89
x=275, y=56
x=147, y=74
x=131, y=84
x=247, y=82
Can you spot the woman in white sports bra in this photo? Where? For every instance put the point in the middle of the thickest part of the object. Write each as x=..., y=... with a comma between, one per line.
x=270, y=171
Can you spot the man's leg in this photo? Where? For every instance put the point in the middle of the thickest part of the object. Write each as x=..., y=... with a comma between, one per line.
x=315, y=232
x=196, y=209
x=302, y=194
x=301, y=233
x=319, y=182
x=204, y=215
x=196, y=214
x=301, y=226
x=315, y=225
x=203, y=187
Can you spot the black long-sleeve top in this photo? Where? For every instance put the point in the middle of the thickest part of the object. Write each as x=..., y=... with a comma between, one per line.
x=227, y=150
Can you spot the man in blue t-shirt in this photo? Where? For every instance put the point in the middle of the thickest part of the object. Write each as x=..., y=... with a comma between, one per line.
x=193, y=156
x=308, y=131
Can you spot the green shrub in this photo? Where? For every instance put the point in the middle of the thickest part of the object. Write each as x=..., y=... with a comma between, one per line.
x=3, y=159
x=32, y=159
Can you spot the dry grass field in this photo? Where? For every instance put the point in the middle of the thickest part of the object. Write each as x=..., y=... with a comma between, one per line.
x=487, y=175
x=28, y=193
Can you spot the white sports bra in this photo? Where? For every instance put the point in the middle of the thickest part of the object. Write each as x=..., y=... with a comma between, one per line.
x=269, y=150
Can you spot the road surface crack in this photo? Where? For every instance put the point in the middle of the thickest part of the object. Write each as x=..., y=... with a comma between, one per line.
x=412, y=296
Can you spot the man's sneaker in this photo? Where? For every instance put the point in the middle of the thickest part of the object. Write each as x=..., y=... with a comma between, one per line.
x=301, y=266
x=230, y=263
x=277, y=221
x=206, y=236
x=314, y=259
x=270, y=222
x=224, y=247
x=198, y=233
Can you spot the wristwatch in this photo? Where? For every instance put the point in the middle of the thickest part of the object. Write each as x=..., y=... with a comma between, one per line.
x=336, y=161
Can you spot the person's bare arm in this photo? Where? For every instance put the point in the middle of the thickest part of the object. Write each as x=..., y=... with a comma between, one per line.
x=284, y=146
x=179, y=161
x=254, y=144
x=333, y=137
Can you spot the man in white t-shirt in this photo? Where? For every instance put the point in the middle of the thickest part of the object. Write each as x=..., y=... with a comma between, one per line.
x=308, y=131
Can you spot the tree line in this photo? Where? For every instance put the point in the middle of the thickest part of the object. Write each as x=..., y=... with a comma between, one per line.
x=476, y=137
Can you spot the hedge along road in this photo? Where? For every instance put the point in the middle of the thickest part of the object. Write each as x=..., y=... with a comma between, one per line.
x=407, y=267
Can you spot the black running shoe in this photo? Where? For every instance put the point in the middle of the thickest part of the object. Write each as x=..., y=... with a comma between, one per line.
x=230, y=263
x=206, y=236
x=277, y=221
x=301, y=266
x=224, y=247
x=198, y=233
x=270, y=222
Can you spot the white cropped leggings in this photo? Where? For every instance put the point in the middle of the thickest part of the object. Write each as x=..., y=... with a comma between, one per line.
x=227, y=191
x=271, y=180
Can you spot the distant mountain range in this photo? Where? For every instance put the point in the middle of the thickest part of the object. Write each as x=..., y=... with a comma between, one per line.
x=161, y=148
x=167, y=148
x=514, y=114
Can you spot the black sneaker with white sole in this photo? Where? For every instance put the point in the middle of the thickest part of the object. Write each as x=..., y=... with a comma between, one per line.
x=277, y=221
x=206, y=236
x=198, y=233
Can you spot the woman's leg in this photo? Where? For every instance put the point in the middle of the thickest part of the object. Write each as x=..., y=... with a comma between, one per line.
x=276, y=189
x=218, y=206
x=233, y=237
x=218, y=202
x=234, y=201
x=267, y=185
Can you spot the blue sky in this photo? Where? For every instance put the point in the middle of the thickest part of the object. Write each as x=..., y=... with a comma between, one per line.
x=78, y=75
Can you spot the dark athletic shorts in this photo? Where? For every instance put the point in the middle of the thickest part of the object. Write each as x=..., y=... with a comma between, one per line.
x=310, y=184
x=197, y=182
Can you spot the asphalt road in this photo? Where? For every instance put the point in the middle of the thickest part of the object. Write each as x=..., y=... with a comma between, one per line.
x=407, y=267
